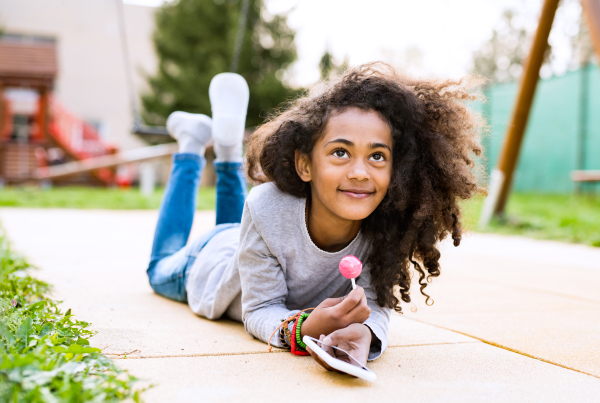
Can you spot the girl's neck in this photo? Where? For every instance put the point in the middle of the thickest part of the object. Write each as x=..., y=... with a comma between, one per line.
x=328, y=231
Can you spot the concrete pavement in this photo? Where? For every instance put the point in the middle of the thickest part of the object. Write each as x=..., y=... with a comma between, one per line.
x=514, y=319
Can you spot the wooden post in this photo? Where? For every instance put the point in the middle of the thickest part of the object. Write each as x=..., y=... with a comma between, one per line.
x=591, y=11
x=503, y=174
x=2, y=128
x=43, y=113
x=1, y=111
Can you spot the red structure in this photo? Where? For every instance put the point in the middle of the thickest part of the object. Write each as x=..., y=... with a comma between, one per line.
x=28, y=137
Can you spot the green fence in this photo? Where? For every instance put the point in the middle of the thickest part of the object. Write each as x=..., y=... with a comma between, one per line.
x=563, y=132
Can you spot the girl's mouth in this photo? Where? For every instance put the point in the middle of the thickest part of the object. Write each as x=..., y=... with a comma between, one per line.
x=357, y=194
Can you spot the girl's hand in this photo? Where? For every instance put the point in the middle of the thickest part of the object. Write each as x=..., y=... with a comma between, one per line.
x=337, y=313
x=355, y=339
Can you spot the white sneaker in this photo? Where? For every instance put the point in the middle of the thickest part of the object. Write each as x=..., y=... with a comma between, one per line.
x=229, y=96
x=192, y=131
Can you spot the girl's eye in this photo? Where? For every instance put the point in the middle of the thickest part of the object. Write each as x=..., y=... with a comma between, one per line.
x=377, y=157
x=340, y=153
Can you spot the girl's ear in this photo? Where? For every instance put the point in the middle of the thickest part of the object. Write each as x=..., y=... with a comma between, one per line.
x=303, y=166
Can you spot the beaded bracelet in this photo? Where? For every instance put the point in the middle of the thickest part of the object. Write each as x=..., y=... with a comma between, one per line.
x=285, y=324
x=296, y=349
x=285, y=335
x=298, y=332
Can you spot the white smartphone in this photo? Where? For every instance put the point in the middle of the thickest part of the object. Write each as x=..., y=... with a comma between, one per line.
x=350, y=366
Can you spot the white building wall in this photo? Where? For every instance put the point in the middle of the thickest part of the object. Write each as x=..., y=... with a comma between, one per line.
x=92, y=74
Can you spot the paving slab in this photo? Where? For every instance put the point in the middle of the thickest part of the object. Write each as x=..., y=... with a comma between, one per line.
x=97, y=260
x=494, y=290
x=466, y=372
x=528, y=264
x=566, y=338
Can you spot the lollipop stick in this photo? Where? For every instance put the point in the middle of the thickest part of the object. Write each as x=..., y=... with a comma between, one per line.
x=353, y=284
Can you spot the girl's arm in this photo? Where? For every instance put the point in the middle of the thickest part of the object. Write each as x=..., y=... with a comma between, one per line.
x=264, y=290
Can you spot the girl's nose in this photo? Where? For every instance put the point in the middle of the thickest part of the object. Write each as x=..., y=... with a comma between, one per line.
x=358, y=172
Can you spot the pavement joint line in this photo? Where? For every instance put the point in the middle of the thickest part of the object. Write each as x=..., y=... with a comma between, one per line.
x=512, y=350
x=436, y=344
x=192, y=355
x=261, y=352
x=539, y=290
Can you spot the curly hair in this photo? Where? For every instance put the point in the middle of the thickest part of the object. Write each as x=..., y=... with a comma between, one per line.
x=435, y=137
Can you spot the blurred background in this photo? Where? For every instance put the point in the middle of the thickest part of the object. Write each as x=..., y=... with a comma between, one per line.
x=81, y=81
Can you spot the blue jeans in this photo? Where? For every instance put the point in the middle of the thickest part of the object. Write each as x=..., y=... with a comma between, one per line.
x=171, y=259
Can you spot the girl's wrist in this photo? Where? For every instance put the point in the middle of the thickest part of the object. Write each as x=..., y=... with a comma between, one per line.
x=305, y=328
x=310, y=327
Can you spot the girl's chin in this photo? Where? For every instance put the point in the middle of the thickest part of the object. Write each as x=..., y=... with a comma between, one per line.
x=355, y=209
x=354, y=215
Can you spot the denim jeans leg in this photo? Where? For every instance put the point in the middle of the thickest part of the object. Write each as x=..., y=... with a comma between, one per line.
x=231, y=192
x=169, y=275
x=175, y=219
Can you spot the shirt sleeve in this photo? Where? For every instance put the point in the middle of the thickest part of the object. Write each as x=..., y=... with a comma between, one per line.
x=379, y=320
x=264, y=290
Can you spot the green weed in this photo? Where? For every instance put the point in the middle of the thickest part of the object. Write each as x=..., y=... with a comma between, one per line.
x=45, y=355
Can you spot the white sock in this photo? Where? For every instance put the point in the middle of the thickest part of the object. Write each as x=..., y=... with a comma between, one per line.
x=230, y=154
x=229, y=96
x=192, y=131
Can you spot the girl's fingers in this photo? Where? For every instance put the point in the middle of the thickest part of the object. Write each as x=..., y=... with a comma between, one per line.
x=338, y=336
x=325, y=347
x=355, y=339
x=360, y=312
x=351, y=300
x=329, y=302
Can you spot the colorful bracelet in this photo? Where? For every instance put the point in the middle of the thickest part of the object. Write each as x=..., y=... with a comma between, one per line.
x=285, y=335
x=290, y=336
x=296, y=349
x=298, y=332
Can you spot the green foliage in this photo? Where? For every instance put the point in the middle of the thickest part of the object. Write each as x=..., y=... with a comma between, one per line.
x=15, y=283
x=328, y=67
x=569, y=218
x=502, y=57
x=45, y=354
x=93, y=198
x=194, y=41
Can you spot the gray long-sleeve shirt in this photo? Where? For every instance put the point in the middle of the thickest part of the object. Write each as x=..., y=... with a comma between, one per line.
x=269, y=269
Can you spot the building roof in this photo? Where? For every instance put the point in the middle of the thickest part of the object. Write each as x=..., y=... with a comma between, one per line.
x=27, y=64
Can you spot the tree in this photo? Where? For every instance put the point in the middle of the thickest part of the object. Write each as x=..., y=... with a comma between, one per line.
x=329, y=68
x=501, y=58
x=194, y=41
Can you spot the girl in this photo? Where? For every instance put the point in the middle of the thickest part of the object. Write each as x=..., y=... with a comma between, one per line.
x=371, y=165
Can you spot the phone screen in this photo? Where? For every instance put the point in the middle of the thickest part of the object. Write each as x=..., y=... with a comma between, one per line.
x=338, y=353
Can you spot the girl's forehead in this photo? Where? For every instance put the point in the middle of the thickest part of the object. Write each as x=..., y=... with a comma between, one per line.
x=357, y=122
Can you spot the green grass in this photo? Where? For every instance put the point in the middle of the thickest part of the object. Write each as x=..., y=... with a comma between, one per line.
x=45, y=355
x=92, y=198
x=568, y=218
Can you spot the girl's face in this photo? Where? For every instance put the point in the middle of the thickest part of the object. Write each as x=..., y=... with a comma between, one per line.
x=351, y=165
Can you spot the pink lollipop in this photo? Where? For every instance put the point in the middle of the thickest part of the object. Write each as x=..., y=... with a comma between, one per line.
x=351, y=267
